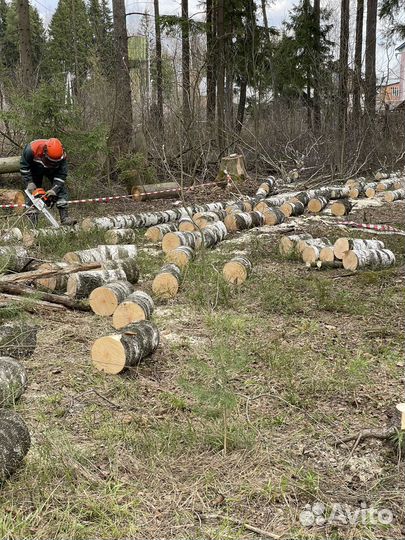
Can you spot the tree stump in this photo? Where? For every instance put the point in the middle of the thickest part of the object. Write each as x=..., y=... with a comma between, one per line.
x=234, y=165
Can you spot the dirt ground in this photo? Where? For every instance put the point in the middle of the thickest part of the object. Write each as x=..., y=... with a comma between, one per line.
x=235, y=427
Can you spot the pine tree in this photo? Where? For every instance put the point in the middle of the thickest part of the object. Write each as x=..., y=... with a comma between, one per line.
x=70, y=39
x=100, y=18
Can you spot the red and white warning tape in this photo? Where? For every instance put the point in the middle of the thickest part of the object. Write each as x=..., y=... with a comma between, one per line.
x=117, y=197
x=377, y=229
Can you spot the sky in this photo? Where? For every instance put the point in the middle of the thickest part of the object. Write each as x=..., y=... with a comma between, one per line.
x=387, y=63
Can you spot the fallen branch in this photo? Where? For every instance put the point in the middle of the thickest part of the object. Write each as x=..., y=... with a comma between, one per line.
x=38, y=274
x=20, y=290
x=382, y=435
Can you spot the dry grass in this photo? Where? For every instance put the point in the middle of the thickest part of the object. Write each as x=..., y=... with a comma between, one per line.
x=239, y=414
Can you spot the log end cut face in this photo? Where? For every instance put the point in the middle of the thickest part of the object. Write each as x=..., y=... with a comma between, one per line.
x=108, y=354
x=165, y=285
x=127, y=313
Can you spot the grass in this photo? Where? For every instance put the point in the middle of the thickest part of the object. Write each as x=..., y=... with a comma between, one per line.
x=244, y=403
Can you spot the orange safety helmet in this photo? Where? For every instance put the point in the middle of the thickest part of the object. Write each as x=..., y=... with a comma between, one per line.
x=54, y=150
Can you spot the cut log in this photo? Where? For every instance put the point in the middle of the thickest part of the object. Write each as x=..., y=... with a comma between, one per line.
x=105, y=299
x=240, y=221
x=173, y=240
x=13, y=258
x=180, y=256
x=271, y=202
x=327, y=254
x=128, y=265
x=166, y=283
x=396, y=195
x=234, y=165
x=288, y=244
x=237, y=270
x=20, y=290
x=186, y=224
x=80, y=285
x=11, y=236
x=244, y=205
x=301, y=197
x=33, y=236
x=9, y=164
x=380, y=176
x=390, y=183
x=101, y=253
x=341, y=207
x=205, y=219
x=13, y=381
x=310, y=253
x=157, y=232
x=215, y=233
x=357, y=190
x=317, y=204
x=290, y=208
x=370, y=189
x=266, y=187
x=120, y=236
x=355, y=182
x=53, y=283
x=15, y=442
x=164, y=190
x=138, y=306
x=18, y=339
x=12, y=196
x=342, y=245
x=305, y=242
x=368, y=258
x=273, y=216
x=112, y=354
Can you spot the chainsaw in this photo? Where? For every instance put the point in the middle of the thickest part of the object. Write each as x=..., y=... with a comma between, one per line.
x=40, y=202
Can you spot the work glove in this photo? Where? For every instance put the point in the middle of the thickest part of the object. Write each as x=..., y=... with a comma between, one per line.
x=51, y=196
x=31, y=187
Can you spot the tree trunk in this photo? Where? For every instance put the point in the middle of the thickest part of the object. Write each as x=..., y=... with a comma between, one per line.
x=18, y=339
x=342, y=245
x=185, y=64
x=288, y=244
x=159, y=73
x=114, y=237
x=392, y=196
x=180, y=256
x=166, y=283
x=341, y=208
x=317, y=204
x=317, y=49
x=105, y=299
x=358, y=61
x=240, y=221
x=24, y=32
x=366, y=258
x=221, y=135
x=166, y=190
x=15, y=442
x=13, y=381
x=112, y=354
x=343, y=77
x=210, y=60
x=138, y=306
x=13, y=258
x=101, y=253
x=370, y=54
x=237, y=270
x=241, y=106
x=156, y=233
x=80, y=285
x=122, y=129
x=9, y=164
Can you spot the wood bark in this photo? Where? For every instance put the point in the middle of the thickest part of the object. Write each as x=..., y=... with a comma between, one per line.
x=11, y=236
x=341, y=208
x=266, y=187
x=210, y=60
x=166, y=283
x=13, y=381
x=15, y=442
x=105, y=299
x=389, y=183
x=138, y=306
x=301, y=197
x=120, y=236
x=292, y=208
x=370, y=58
x=80, y=285
x=237, y=270
x=305, y=242
x=34, y=236
x=128, y=265
x=164, y=190
x=20, y=290
x=368, y=258
x=18, y=339
x=112, y=354
x=273, y=216
x=342, y=245
x=101, y=253
x=9, y=164
x=157, y=232
x=234, y=165
x=214, y=234
x=56, y=282
x=205, y=219
x=317, y=204
x=271, y=202
x=176, y=239
x=159, y=71
x=240, y=206
x=240, y=221
x=358, y=62
x=357, y=190
x=24, y=33
x=288, y=244
x=13, y=258
x=181, y=256
x=396, y=195
x=311, y=252
x=11, y=196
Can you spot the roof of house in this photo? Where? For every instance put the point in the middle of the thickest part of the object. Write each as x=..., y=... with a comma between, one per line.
x=401, y=47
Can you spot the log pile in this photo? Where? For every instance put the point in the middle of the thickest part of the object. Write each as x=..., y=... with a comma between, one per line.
x=138, y=306
x=157, y=232
x=181, y=256
x=167, y=282
x=237, y=270
x=104, y=300
x=288, y=245
x=112, y=354
x=101, y=253
x=120, y=236
x=397, y=195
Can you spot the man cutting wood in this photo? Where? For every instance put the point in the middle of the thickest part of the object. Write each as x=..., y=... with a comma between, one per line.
x=46, y=158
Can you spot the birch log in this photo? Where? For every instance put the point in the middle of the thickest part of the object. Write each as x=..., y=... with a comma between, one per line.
x=128, y=265
x=181, y=256
x=9, y=164
x=240, y=221
x=157, y=232
x=174, y=240
x=18, y=339
x=33, y=236
x=11, y=236
x=366, y=258
x=327, y=254
x=244, y=205
x=273, y=216
x=271, y=202
x=186, y=224
x=105, y=299
x=311, y=252
x=291, y=208
x=396, y=195
x=112, y=354
x=120, y=236
x=212, y=235
x=13, y=258
x=380, y=176
x=301, y=197
x=341, y=207
x=370, y=189
x=101, y=253
x=80, y=285
x=288, y=244
x=54, y=283
x=166, y=283
x=164, y=190
x=342, y=245
x=390, y=183
x=205, y=219
x=15, y=442
x=266, y=187
x=317, y=204
x=138, y=306
x=13, y=381
x=237, y=270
